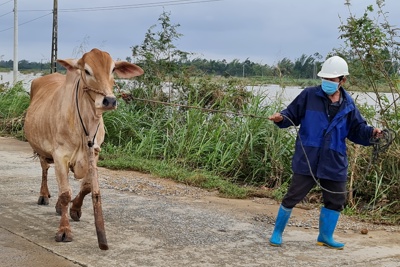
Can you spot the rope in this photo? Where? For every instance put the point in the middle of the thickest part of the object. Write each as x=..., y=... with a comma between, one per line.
x=380, y=145
x=90, y=142
x=199, y=108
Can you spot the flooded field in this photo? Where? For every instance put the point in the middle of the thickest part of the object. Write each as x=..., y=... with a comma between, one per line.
x=273, y=91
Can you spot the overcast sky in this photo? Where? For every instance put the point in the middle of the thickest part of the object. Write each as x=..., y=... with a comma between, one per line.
x=265, y=31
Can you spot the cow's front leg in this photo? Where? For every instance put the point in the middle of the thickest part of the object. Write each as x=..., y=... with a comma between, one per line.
x=75, y=210
x=44, y=190
x=64, y=233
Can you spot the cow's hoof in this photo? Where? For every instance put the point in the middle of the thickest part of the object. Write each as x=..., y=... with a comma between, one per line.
x=103, y=246
x=75, y=214
x=43, y=200
x=63, y=236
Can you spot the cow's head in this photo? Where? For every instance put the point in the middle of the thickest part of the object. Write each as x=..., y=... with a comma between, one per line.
x=97, y=71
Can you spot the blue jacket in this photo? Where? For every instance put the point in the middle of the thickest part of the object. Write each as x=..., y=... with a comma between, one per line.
x=324, y=141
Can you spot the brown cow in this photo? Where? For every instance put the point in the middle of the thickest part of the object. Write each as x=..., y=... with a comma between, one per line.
x=64, y=126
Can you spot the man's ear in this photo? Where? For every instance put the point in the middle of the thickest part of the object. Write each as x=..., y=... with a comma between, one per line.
x=343, y=80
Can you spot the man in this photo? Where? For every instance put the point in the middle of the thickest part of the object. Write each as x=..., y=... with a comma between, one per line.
x=327, y=116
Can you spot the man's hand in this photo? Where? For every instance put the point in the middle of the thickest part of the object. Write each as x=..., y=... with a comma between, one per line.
x=277, y=117
x=377, y=133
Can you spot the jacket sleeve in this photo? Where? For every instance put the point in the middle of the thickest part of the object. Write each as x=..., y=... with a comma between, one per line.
x=294, y=112
x=360, y=133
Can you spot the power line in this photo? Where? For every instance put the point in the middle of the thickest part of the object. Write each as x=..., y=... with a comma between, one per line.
x=134, y=6
x=105, y=8
x=6, y=2
x=155, y=4
x=26, y=22
x=6, y=14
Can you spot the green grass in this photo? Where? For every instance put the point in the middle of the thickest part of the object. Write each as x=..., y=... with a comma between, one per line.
x=203, y=179
x=13, y=104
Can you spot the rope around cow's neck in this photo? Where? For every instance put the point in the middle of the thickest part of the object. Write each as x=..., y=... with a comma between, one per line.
x=90, y=142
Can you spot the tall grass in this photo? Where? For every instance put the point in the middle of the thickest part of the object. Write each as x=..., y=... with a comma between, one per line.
x=241, y=145
x=13, y=104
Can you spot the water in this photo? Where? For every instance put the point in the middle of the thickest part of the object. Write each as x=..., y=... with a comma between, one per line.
x=288, y=93
x=8, y=77
x=273, y=92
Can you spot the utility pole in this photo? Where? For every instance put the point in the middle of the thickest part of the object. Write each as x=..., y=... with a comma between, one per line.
x=53, y=67
x=15, y=63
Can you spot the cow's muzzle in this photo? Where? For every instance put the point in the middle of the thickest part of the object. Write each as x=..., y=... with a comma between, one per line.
x=109, y=102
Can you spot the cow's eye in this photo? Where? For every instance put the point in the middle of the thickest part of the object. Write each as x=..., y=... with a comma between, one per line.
x=87, y=72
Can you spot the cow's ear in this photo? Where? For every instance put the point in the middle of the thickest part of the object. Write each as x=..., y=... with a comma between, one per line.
x=125, y=69
x=69, y=64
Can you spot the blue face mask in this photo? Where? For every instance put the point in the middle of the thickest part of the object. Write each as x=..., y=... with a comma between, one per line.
x=329, y=87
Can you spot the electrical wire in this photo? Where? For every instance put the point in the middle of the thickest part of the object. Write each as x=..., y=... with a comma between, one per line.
x=108, y=8
x=6, y=14
x=132, y=6
x=156, y=4
x=6, y=2
x=26, y=22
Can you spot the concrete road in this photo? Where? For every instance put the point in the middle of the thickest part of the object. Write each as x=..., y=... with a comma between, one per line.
x=160, y=230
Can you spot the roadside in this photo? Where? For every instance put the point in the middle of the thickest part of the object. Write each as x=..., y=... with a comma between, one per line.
x=157, y=222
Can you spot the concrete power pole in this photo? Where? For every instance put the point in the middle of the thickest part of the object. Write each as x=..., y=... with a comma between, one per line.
x=15, y=63
x=53, y=67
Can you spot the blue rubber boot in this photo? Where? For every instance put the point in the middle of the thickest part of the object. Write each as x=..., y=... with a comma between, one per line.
x=327, y=224
x=280, y=224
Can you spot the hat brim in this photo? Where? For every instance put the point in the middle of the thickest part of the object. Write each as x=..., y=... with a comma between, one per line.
x=330, y=75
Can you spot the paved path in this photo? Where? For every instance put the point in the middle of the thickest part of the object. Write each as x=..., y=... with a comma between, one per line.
x=157, y=230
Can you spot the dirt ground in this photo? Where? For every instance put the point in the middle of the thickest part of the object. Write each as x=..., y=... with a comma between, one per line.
x=157, y=222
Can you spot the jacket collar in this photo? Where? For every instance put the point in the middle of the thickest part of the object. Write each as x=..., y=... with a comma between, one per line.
x=346, y=97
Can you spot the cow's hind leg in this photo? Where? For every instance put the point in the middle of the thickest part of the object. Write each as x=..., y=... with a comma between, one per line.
x=75, y=210
x=44, y=190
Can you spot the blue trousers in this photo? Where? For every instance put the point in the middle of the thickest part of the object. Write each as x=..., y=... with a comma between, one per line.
x=302, y=184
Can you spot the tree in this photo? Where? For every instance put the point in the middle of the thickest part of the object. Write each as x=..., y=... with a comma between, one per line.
x=158, y=55
x=284, y=67
x=373, y=53
x=304, y=67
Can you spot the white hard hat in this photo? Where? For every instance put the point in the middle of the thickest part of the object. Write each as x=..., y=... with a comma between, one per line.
x=334, y=67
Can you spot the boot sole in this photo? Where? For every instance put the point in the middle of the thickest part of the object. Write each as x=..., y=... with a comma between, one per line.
x=326, y=245
x=275, y=245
